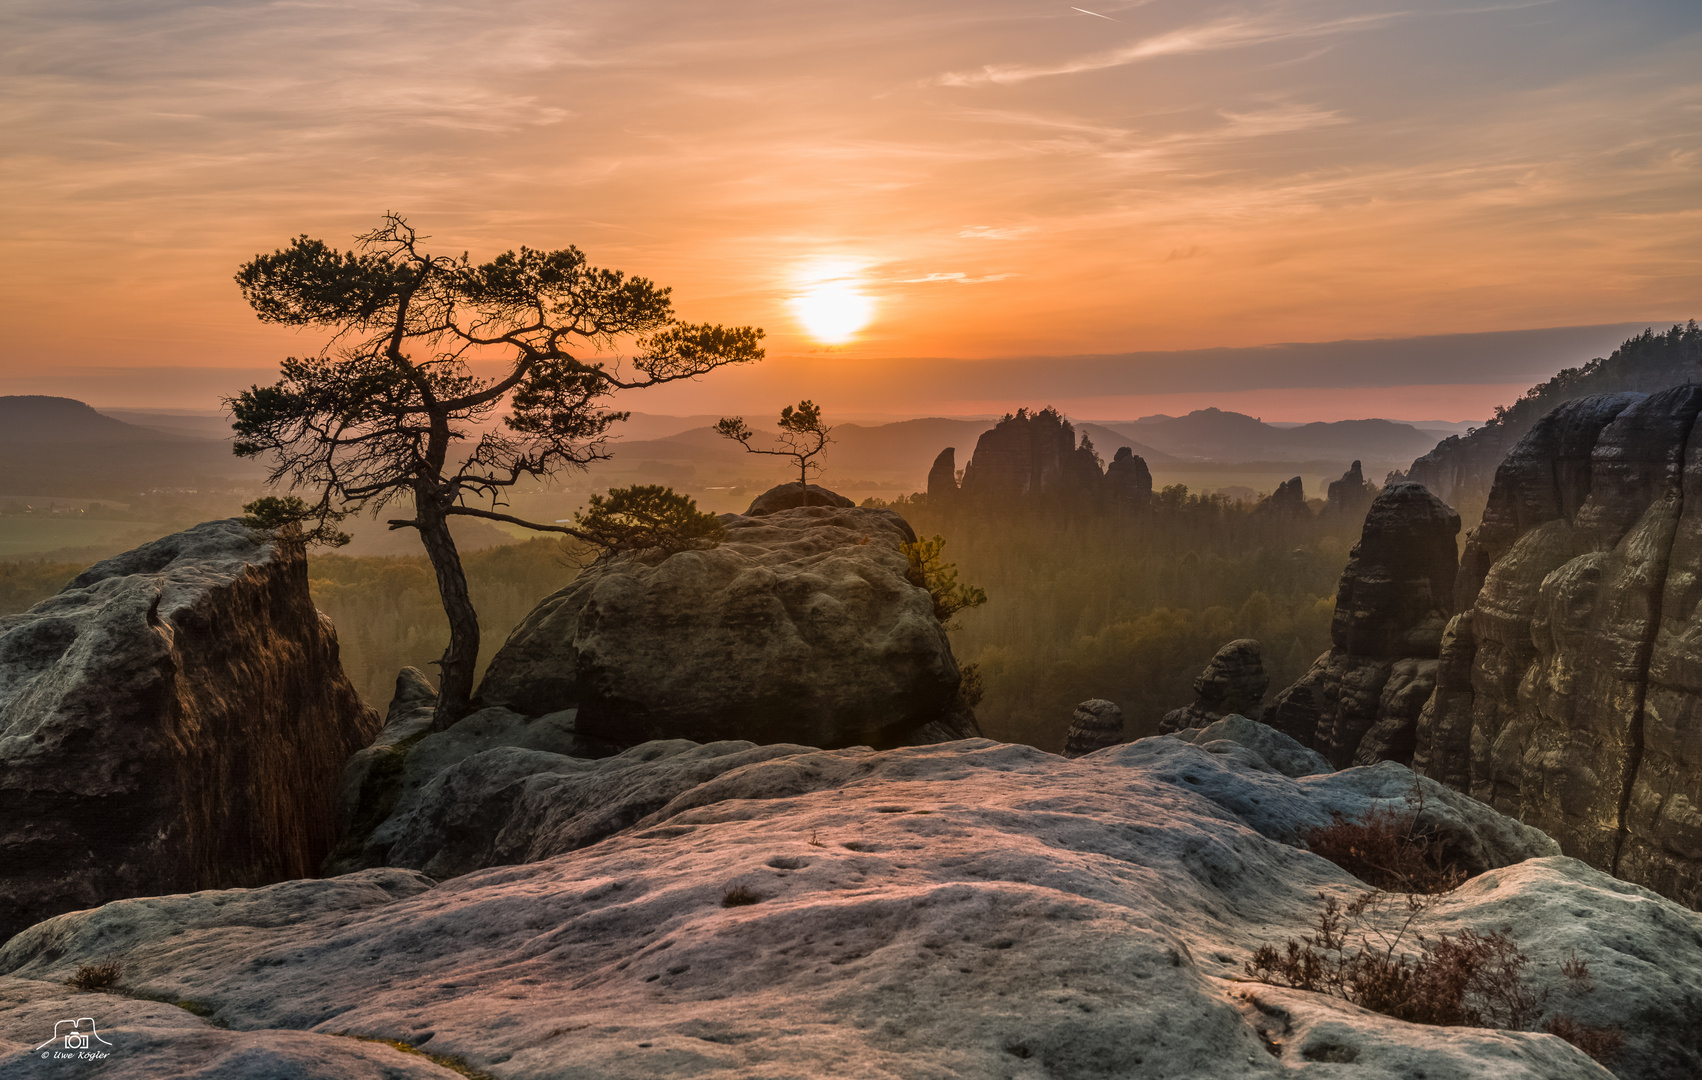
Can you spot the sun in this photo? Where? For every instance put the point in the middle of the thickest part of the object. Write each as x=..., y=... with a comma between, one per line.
x=830, y=301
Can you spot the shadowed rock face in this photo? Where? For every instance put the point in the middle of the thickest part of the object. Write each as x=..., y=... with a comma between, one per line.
x=1360, y=702
x=1350, y=497
x=1571, y=681
x=1129, y=480
x=793, y=495
x=175, y=718
x=1234, y=682
x=1288, y=500
x=942, y=478
x=1097, y=723
x=1030, y=454
x=802, y=627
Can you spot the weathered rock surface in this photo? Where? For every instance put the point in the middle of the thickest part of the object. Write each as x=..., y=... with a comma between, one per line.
x=1097, y=723
x=802, y=627
x=154, y=1039
x=1350, y=497
x=1234, y=681
x=1571, y=682
x=175, y=718
x=942, y=476
x=972, y=909
x=1361, y=701
x=1277, y=750
x=793, y=495
x=401, y=776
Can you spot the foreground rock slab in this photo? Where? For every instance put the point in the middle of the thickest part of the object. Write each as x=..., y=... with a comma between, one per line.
x=175, y=718
x=970, y=909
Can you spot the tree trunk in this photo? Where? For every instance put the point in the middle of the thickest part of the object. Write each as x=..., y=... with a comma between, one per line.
x=455, y=670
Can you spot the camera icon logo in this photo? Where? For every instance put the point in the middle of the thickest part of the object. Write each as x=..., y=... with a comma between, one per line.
x=78, y=1037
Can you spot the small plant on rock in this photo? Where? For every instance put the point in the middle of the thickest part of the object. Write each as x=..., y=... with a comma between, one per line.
x=740, y=896
x=648, y=516
x=929, y=570
x=102, y=975
x=1387, y=850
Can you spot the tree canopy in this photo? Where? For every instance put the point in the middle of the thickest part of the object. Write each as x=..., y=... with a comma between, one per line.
x=447, y=382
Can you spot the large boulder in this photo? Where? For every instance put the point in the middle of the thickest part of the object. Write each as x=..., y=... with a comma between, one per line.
x=793, y=495
x=970, y=909
x=175, y=718
x=1571, y=689
x=1361, y=701
x=1234, y=682
x=804, y=626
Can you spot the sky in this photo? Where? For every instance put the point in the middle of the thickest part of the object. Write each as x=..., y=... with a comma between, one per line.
x=990, y=193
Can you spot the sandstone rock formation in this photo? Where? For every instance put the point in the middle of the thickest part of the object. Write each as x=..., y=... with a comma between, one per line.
x=972, y=909
x=1287, y=501
x=1129, y=481
x=175, y=718
x=1097, y=723
x=1032, y=458
x=802, y=627
x=1233, y=682
x=1350, y=497
x=942, y=477
x=1360, y=701
x=793, y=495
x=1462, y=468
x=1570, y=694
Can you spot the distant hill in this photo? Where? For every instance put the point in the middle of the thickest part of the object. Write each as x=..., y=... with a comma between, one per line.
x=1217, y=435
x=61, y=446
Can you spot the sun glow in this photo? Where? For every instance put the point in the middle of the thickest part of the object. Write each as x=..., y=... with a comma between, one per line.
x=831, y=303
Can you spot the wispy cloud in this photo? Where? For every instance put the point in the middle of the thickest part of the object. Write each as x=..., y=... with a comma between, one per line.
x=1227, y=33
x=957, y=278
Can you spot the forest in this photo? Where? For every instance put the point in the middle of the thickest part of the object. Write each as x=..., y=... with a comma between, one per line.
x=1085, y=603
x=1082, y=603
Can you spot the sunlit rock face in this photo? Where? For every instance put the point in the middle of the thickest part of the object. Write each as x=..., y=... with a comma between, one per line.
x=804, y=626
x=1572, y=678
x=1360, y=702
x=968, y=909
x=175, y=718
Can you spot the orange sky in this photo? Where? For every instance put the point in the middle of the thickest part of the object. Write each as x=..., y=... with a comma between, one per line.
x=992, y=179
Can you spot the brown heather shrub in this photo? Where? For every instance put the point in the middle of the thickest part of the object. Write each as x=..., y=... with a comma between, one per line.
x=740, y=896
x=1368, y=953
x=103, y=975
x=1387, y=850
x=1601, y=1043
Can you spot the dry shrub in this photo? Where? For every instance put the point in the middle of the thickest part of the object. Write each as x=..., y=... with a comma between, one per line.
x=1387, y=850
x=740, y=896
x=1368, y=953
x=1466, y=979
x=102, y=975
x=1601, y=1043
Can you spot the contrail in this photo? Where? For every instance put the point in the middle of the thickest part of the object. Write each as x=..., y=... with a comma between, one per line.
x=1095, y=14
